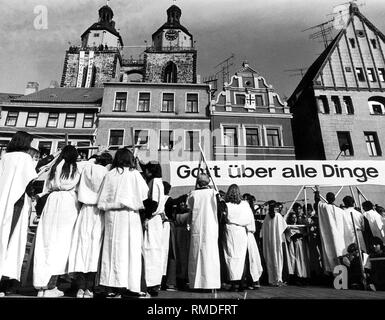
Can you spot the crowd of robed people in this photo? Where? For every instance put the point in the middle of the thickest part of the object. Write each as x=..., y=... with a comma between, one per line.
x=108, y=226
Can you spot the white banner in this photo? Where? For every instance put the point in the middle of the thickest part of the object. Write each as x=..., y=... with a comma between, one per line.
x=282, y=173
x=90, y=69
x=81, y=68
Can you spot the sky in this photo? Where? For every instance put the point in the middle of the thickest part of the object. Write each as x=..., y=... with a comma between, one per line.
x=267, y=33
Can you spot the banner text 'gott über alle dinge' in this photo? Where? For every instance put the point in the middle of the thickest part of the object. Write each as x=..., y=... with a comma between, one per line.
x=283, y=173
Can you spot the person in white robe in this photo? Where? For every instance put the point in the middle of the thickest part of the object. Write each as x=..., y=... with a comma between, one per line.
x=298, y=248
x=375, y=220
x=203, y=262
x=359, y=224
x=154, y=234
x=331, y=224
x=121, y=197
x=88, y=234
x=272, y=233
x=55, y=229
x=17, y=171
x=238, y=216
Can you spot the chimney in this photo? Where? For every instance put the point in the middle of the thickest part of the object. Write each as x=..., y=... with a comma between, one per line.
x=54, y=84
x=32, y=87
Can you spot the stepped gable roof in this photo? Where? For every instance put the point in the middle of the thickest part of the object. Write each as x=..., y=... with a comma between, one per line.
x=64, y=95
x=315, y=69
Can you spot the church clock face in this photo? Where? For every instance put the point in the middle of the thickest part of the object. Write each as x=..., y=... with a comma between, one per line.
x=171, y=35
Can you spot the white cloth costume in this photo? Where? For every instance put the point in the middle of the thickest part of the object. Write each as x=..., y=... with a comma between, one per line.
x=298, y=253
x=255, y=263
x=272, y=237
x=376, y=224
x=331, y=224
x=121, y=197
x=153, y=236
x=55, y=230
x=88, y=234
x=236, y=239
x=349, y=230
x=203, y=264
x=16, y=172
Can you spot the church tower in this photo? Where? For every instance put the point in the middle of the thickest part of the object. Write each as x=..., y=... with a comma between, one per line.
x=172, y=57
x=98, y=59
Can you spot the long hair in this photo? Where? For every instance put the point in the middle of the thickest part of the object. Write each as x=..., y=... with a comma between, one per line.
x=233, y=194
x=272, y=205
x=21, y=141
x=69, y=154
x=155, y=170
x=123, y=159
x=104, y=159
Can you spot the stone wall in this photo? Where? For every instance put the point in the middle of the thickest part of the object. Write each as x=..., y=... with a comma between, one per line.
x=185, y=62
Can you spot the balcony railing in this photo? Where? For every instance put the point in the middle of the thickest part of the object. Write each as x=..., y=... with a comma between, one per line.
x=169, y=48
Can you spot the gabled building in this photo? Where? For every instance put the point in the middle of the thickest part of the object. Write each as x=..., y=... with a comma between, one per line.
x=250, y=121
x=52, y=115
x=341, y=99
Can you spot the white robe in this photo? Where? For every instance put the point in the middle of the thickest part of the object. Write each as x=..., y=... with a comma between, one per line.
x=165, y=245
x=88, y=234
x=16, y=172
x=376, y=224
x=298, y=252
x=331, y=223
x=203, y=264
x=349, y=230
x=153, y=236
x=272, y=237
x=121, y=197
x=236, y=240
x=55, y=230
x=255, y=263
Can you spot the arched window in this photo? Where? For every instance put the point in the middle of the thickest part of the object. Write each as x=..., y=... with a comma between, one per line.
x=376, y=105
x=170, y=73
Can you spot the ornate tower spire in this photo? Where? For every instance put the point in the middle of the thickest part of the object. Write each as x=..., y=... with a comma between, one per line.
x=173, y=15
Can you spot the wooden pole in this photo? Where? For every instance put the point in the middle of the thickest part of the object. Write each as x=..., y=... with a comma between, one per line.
x=359, y=253
x=207, y=167
x=292, y=204
x=66, y=139
x=353, y=195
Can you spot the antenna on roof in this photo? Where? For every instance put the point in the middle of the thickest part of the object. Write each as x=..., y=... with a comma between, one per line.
x=225, y=68
x=324, y=32
x=299, y=72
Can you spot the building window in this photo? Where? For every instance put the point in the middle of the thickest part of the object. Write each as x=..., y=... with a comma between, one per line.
x=52, y=120
x=374, y=43
x=192, y=103
x=258, y=100
x=44, y=148
x=85, y=151
x=337, y=104
x=144, y=102
x=116, y=138
x=252, y=137
x=352, y=42
x=360, y=33
x=32, y=119
x=323, y=104
x=272, y=137
x=230, y=136
x=381, y=74
x=70, y=120
x=168, y=102
x=344, y=140
x=192, y=140
x=349, y=105
x=166, y=140
x=360, y=74
x=120, y=101
x=12, y=118
x=88, y=121
x=372, y=144
x=60, y=145
x=376, y=105
x=371, y=75
x=170, y=73
x=348, y=69
x=96, y=35
x=142, y=138
x=240, y=99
